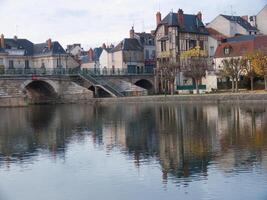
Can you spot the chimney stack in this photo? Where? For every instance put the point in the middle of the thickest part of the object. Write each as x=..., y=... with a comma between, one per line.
x=245, y=17
x=132, y=33
x=104, y=46
x=3, y=41
x=158, y=18
x=91, y=55
x=15, y=38
x=49, y=44
x=199, y=16
x=180, y=16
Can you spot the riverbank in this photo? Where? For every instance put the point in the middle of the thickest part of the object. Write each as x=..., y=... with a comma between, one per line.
x=208, y=98
x=201, y=98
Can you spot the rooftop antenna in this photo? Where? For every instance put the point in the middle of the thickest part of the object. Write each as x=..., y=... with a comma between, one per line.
x=17, y=30
x=143, y=25
x=232, y=11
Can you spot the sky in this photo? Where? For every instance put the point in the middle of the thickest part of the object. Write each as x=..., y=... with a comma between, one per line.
x=93, y=22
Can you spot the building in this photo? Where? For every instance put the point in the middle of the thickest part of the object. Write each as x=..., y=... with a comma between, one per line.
x=231, y=26
x=215, y=39
x=147, y=40
x=105, y=57
x=260, y=20
x=175, y=34
x=239, y=46
x=75, y=50
x=21, y=53
x=127, y=56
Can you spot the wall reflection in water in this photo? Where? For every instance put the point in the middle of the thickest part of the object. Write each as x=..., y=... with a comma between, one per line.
x=184, y=139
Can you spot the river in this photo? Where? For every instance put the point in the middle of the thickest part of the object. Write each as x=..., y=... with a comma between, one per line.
x=134, y=151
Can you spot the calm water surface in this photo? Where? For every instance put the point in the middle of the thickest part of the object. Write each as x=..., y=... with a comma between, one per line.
x=129, y=152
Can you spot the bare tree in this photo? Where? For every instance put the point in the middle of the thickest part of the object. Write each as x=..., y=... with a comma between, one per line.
x=167, y=73
x=232, y=68
x=196, y=68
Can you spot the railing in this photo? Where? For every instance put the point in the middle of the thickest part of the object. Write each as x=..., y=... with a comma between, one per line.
x=74, y=71
x=38, y=71
x=118, y=71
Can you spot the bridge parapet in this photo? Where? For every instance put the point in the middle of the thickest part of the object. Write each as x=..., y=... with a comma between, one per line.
x=74, y=71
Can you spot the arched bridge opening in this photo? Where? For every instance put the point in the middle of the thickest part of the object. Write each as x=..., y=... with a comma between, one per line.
x=40, y=92
x=143, y=83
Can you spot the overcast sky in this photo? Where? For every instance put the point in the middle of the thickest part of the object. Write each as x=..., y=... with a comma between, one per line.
x=92, y=22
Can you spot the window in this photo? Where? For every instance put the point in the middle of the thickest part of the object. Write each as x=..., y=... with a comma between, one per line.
x=212, y=50
x=147, y=54
x=153, y=54
x=27, y=64
x=226, y=50
x=11, y=64
x=163, y=45
x=192, y=44
x=201, y=44
x=59, y=62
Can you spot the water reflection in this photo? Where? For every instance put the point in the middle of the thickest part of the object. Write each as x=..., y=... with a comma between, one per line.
x=184, y=139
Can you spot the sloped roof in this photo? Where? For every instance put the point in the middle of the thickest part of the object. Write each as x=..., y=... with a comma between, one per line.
x=42, y=49
x=34, y=49
x=97, y=53
x=241, y=38
x=145, y=38
x=192, y=24
x=128, y=44
x=242, y=22
x=242, y=47
x=20, y=44
x=215, y=34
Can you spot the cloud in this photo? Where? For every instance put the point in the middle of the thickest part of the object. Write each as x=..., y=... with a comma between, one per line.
x=92, y=22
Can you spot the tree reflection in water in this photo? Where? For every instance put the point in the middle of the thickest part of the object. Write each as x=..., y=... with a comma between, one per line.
x=185, y=139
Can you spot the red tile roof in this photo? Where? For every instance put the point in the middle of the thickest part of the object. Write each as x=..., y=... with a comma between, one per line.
x=241, y=48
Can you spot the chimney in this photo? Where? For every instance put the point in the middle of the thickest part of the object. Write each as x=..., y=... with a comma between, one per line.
x=180, y=16
x=15, y=38
x=91, y=55
x=49, y=44
x=2, y=41
x=199, y=16
x=132, y=33
x=104, y=46
x=245, y=17
x=158, y=17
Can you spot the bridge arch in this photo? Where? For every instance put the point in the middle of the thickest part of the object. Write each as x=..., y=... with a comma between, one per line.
x=146, y=84
x=40, y=91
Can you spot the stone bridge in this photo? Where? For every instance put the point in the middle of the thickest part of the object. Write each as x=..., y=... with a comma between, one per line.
x=66, y=88
x=43, y=89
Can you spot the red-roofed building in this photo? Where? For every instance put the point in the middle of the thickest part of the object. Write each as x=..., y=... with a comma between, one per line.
x=239, y=47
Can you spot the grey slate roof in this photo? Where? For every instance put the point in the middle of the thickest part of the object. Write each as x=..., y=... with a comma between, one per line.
x=34, y=49
x=242, y=22
x=42, y=49
x=240, y=38
x=20, y=44
x=145, y=38
x=128, y=44
x=97, y=53
x=191, y=23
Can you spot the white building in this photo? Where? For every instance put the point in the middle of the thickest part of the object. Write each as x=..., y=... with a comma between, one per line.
x=260, y=20
x=214, y=40
x=231, y=26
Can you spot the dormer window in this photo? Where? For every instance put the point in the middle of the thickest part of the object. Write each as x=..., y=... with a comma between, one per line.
x=227, y=50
